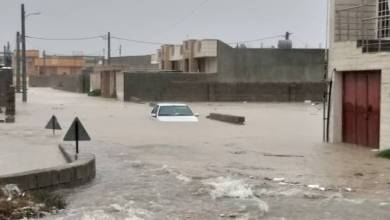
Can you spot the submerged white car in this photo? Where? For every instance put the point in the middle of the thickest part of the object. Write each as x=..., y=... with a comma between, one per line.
x=174, y=112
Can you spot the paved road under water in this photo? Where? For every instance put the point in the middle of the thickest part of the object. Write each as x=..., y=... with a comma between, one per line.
x=212, y=170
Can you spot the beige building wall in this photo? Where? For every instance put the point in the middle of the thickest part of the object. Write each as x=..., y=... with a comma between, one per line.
x=346, y=56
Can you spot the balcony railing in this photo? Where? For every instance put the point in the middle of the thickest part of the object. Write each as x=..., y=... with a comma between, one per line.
x=360, y=23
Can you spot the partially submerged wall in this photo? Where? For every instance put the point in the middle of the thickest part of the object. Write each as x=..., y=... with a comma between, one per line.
x=5, y=83
x=204, y=87
x=71, y=83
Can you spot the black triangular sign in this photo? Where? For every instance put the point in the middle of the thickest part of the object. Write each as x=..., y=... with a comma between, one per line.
x=81, y=133
x=53, y=124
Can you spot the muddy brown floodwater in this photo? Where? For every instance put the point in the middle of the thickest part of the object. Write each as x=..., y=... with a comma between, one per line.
x=273, y=167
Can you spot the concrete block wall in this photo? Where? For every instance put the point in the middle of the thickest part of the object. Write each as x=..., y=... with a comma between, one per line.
x=198, y=87
x=71, y=83
x=269, y=65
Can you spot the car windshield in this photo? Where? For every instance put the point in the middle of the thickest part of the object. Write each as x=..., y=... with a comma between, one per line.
x=175, y=111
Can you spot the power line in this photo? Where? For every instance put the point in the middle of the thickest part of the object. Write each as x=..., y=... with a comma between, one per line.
x=138, y=41
x=66, y=39
x=255, y=40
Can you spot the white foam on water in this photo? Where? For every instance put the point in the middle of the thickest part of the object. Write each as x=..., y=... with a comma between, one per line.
x=183, y=178
x=228, y=187
x=97, y=215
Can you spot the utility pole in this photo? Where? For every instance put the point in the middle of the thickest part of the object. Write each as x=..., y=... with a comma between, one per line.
x=44, y=63
x=120, y=50
x=5, y=55
x=24, y=67
x=109, y=48
x=104, y=56
x=18, y=62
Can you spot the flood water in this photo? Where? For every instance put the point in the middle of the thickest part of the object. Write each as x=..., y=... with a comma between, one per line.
x=212, y=170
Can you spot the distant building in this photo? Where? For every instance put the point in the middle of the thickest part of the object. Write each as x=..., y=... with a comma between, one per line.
x=359, y=68
x=108, y=78
x=56, y=65
x=192, y=56
x=242, y=64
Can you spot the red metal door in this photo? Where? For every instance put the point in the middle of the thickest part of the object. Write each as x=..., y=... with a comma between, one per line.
x=349, y=106
x=374, y=85
x=361, y=108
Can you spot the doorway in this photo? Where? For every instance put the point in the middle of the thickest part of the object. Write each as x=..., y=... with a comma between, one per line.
x=361, y=108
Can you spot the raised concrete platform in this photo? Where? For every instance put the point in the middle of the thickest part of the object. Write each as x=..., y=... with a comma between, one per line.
x=75, y=172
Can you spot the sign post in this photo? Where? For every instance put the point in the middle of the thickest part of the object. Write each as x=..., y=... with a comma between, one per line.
x=53, y=124
x=77, y=133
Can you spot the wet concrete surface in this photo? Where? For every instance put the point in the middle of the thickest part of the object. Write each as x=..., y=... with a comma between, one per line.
x=213, y=170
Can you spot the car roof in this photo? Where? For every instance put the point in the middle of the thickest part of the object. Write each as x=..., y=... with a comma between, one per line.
x=172, y=104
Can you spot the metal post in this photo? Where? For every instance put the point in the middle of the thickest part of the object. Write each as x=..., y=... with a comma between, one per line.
x=109, y=48
x=77, y=137
x=5, y=55
x=24, y=67
x=18, y=62
x=44, y=63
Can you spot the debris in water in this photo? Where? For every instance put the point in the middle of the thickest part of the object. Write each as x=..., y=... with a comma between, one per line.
x=11, y=191
x=278, y=179
x=280, y=155
x=348, y=189
x=316, y=187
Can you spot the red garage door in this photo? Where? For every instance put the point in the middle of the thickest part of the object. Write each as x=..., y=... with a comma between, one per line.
x=361, y=108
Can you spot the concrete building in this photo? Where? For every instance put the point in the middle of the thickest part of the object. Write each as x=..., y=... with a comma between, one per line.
x=109, y=78
x=56, y=65
x=243, y=64
x=192, y=56
x=359, y=69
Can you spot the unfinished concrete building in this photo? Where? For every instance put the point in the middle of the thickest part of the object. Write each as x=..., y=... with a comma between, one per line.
x=243, y=64
x=193, y=56
x=359, y=70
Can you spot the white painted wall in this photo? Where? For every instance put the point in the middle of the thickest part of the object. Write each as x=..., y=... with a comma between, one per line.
x=211, y=65
x=120, y=93
x=176, y=56
x=208, y=48
x=95, y=81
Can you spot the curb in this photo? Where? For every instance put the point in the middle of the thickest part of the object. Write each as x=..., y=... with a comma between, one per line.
x=73, y=173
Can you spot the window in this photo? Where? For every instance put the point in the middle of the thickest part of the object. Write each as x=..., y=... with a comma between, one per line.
x=175, y=111
x=199, y=46
x=383, y=19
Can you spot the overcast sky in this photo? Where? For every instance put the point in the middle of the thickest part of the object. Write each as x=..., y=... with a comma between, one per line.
x=165, y=21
